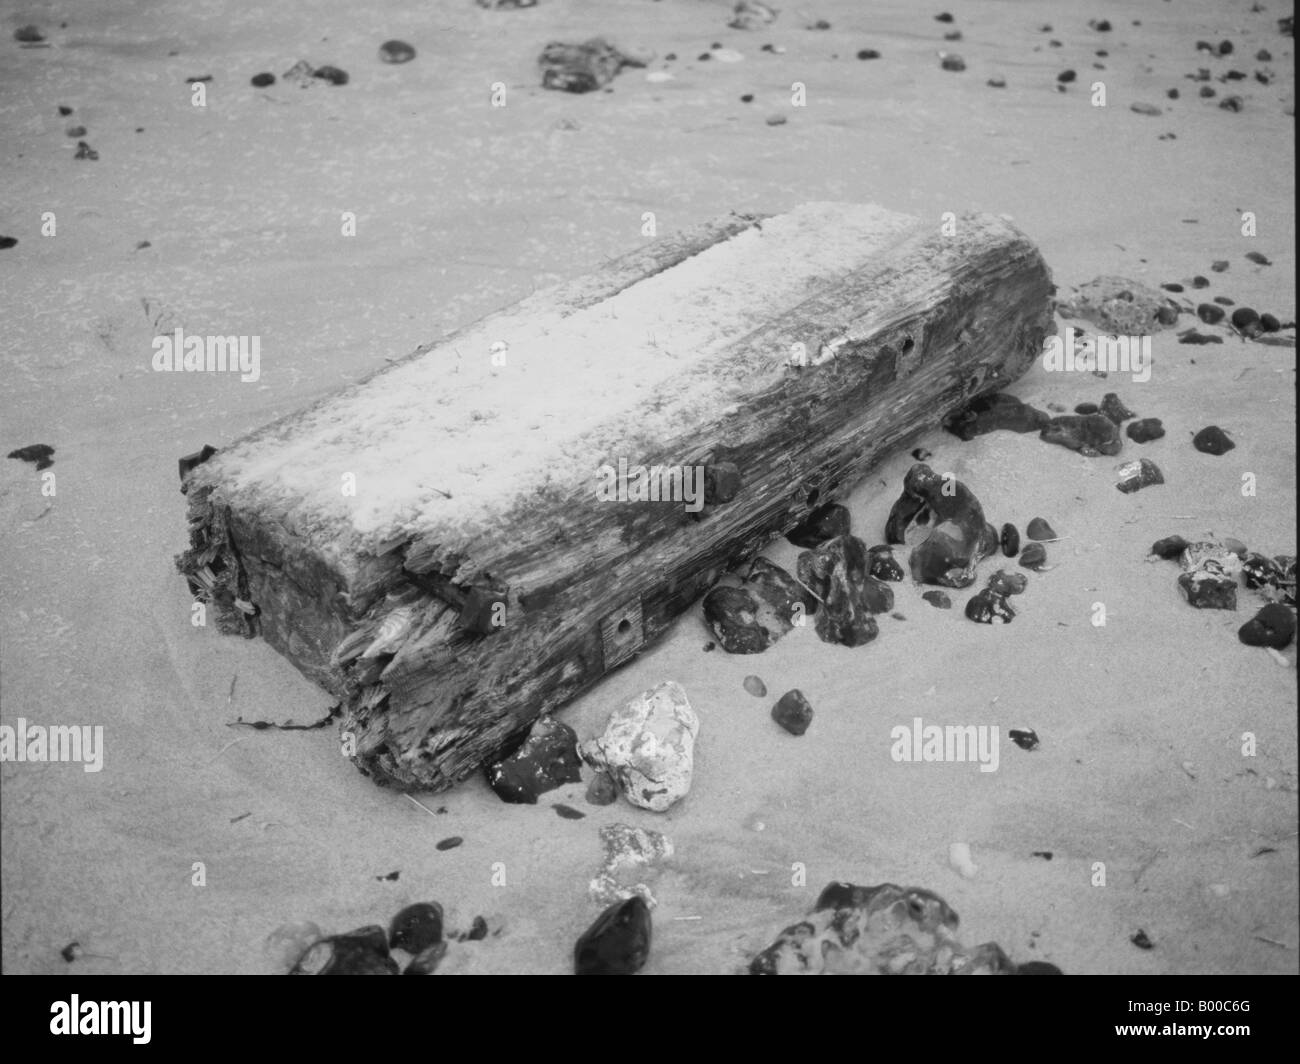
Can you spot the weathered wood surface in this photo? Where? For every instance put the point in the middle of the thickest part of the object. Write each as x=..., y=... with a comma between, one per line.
x=800, y=349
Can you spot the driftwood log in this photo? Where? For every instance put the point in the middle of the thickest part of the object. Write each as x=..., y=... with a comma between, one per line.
x=430, y=544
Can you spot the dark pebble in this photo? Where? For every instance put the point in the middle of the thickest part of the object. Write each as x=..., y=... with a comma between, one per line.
x=838, y=571
x=29, y=35
x=1010, y=540
x=943, y=17
x=1087, y=408
x=1212, y=440
x=602, y=790
x=1168, y=314
x=1267, y=322
x=1025, y=738
x=938, y=599
x=793, y=712
x=1034, y=556
x=747, y=98
x=1172, y=287
x=704, y=56
x=1046, y=855
x=618, y=943
x=478, y=931
x=1089, y=434
x=40, y=454
x=820, y=24
x=1244, y=317
x=1264, y=56
x=198, y=78
x=710, y=646
x=416, y=928
x=1005, y=584
x=1037, y=968
x=1066, y=76
x=922, y=455
x=1207, y=93
x=1208, y=592
x=1219, y=266
x=1100, y=25
x=1225, y=301
x=996, y=83
x=450, y=843
x=396, y=52
x=1146, y=430
x=261, y=81
x=546, y=759
x=1115, y=410
x=952, y=35
x=824, y=523
x=426, y=961
x=868, y=53
x=76, y=131
x=671, y=56
x=567, y=812
x=749, y=619
x=1273, y=626
x=755, y=686
x=1225, y=48
x=883, y=565
x=953, y=62
x=1232, y=103
x=7, y=242
x=990, y=412
x=1169, y=547
x=332, y=74
x=1039, y=529
x=1191, y=336
x=1142, y=941
x=64, y=111
x=1200, y=282
x=85, y=151
x=1259, y=259
x=988, y=607
x=1134, y=476
x=1173, y=95
x=1209, y=313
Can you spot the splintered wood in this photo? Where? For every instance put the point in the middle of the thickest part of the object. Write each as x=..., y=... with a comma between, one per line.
x=473, y=535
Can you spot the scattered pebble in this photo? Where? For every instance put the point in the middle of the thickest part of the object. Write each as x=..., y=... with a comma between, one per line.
x=29, y=35
x=1089, y=434
x=76, y=131
x=1039, y=529
x=938, y=599
x=838, y=572
x=824, y=523
x=396, y=52
x=1232, y=103
x=332, y=74
x=1087, y=408
x=567, y=812
x=1273, y=626
x=1219, y=265
x=602, y=790
x=1145, y=109
x=546, y=759
x=960, y=859
x=1212, y=440
x=753, y=15
x=749, y=619
x=1141, y=940
x=989, y=607
x=755, y=686
x=416, y=928
x=450, y=843
x=1145, y=430
x=1209, y=313
x=1256, y=257
x=953, y=62
x=1034, y=556
x=793, y=712
x=1005, y=583
x=1066, y=76
x=261, y=81
x=775, y=120
x=1134, y=476
x=1010, y=540
x=996, y=83
x=1025, y=738
x=868, y=53
x=1191, y=336
x=617, y=943
x=39, y=454
x=85, y=151
x=882, y=564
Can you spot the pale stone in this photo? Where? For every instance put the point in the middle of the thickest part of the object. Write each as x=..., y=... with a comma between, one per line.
x=648, y=747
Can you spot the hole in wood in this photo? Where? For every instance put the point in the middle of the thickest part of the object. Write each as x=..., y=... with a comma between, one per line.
x=908, y=344
x=624, y=626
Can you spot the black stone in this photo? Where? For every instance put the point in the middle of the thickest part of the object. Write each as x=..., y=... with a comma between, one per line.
x=825, y=522
x=1273, y=626
x=1037, y=968
x=943, y=17
x=1039, y=529
x=449, y=843
x=733, y=615
x=838, y=573
x=1134, y=476
x=793, y=712
x=39, y=454
x=1225, y=301
x=1089, y=434
x=360, y=952
x=332, y=74
x=1260, y=571
x=1115, y=410
x=396, y=52
x=1258, y=258
x=416, y=928
x=1005, y=584
x=1244, y=317
x=1066, y=76
x=261, y=81
x=29, y=35
x=567, y=812
x=959, y=535
x=1212, y=440
x=1025, y=738
x=1191, y=336
x=1142, y=941
x=1170, y=547
x=1010, y=540
x=953, y=62
x=868, y=53
x=478, y=930
x=1206, y=591
x=1034, y=556
x=938, y=599
x=602, y=790
x=988, y=607
x=721, y=483
x=1146, y=430
x=426, y=962
x=1267, y=322
x=85, y=151
x=883, y=565
x=547, y=758
x=1219, y=265
x=7, y=242
x=1172, y=287
x=920, y=454
x=618, y=943
x=997, y=411
x=1087, y=408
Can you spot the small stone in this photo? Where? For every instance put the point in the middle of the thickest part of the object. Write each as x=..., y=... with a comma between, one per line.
x=426, y=961
x=648, y=747
x=1115, y=410
x=1089, y=434
x=1220, y=265
x=29, y=35
x=85, y=151
x=996, y=83
x=1244, y=317
x=546, y=759
x=396, y=52
x=1273, y=626
x=1207, y=93
x=1134, y=476
x=991, y=412
x=261, y=81
x=1004, y=583
x=883, y=565
x=416, y=928
x=953, y=62
x=938, y=599
x=824, y=523
x=1034, y=556
x=1142, y=941
x=39, y=454
x=1258, y=258
x=957, y=537
x=775, y=120
x=1200, y=282
x=1172, y=287
x=1039, y=529
x=1025, y=738
x=478, y=931
x=1212, y=440
x=1145, y=430
x=76, y=131
x=567, y=812
x=1232, y=103
x=755, y=686
x=1145, y=109
x=943, y=17
x=1209, y=313
x=1191, y=336
x=868, y=53
x=287, y=943
x=7, y=242
x=449, y=843
x=1206, y=591
x=952, y=35
x=1010, y=540
x=1085, y=409
x=617, y=943
x=837, y=572
x=793, y=712
x=989, y=607
x=960, y=859
x=602, y=790
x=360, y=952
x=1264, y=56
x=749, y=619
x=1066, y=76
x=332, y=74
x=1268, y=322
x=1037, y=968
x=1170, y=547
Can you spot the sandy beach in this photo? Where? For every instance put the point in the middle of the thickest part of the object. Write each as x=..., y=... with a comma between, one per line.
x=225, y=219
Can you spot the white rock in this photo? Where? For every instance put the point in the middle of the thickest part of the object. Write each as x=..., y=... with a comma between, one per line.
x=649, y=747
x=959, y=858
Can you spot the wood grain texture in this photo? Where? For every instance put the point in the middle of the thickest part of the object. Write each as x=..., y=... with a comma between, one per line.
x=381, y=600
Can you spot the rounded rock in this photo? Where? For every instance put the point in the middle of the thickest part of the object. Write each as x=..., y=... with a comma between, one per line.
x=1039, y=529
x=416, y=928
x=396, y=52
